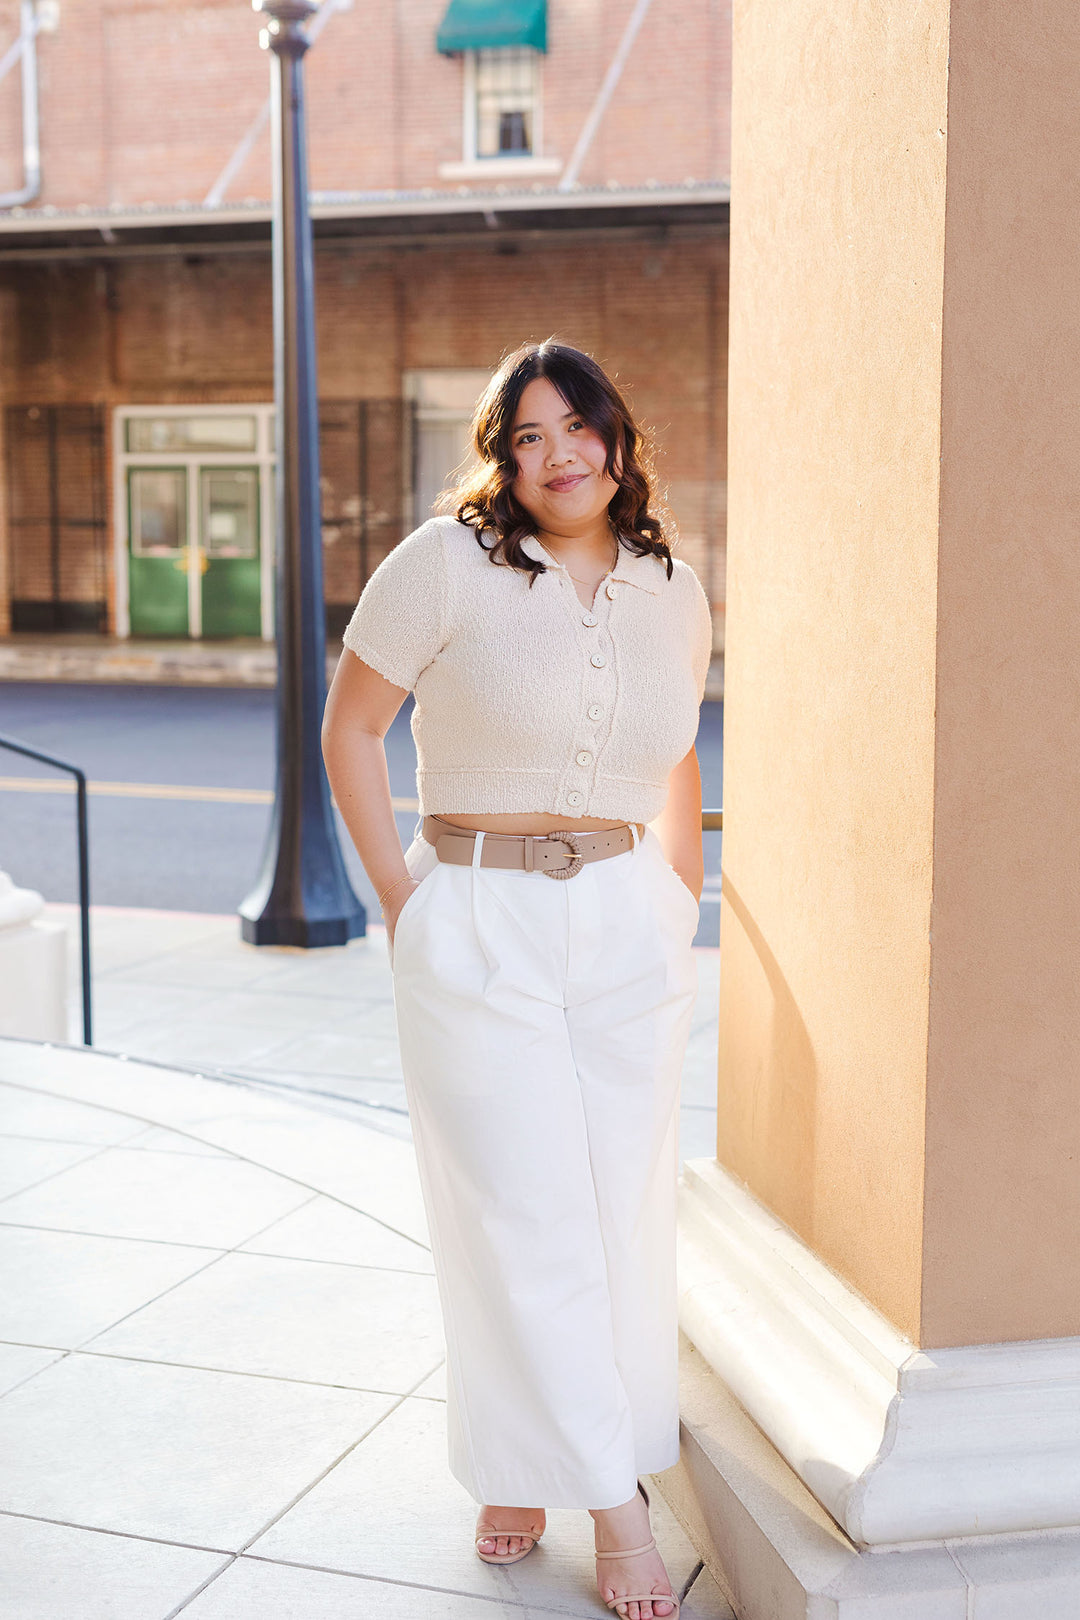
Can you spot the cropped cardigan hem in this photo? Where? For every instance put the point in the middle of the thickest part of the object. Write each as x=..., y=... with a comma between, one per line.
x=458, y=793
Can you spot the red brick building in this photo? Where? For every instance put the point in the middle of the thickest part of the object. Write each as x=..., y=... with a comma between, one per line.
x=483, y=172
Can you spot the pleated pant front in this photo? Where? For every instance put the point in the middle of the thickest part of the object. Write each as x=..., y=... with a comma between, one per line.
x=543, y=1025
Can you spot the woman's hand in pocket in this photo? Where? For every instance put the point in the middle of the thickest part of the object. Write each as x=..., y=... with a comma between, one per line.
x=396, y=903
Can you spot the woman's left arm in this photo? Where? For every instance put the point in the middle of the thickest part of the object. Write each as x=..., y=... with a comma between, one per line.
x=678, y=826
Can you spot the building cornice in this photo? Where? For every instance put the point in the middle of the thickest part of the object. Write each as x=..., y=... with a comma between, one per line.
x=429, y=203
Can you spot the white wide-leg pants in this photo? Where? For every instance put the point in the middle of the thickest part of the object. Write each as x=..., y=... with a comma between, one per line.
x=543, y=1025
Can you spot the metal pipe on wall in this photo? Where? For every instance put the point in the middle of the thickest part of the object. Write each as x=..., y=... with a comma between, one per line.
x=246, y=144
x=25, y=48
x=607, y=89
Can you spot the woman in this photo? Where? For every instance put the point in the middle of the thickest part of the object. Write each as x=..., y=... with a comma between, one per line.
x=558, y=656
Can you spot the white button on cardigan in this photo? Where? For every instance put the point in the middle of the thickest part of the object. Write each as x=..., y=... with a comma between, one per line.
x=495, y=664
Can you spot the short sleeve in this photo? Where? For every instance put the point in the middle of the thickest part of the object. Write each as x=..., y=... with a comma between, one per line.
x=399, y=623
x=700, y=632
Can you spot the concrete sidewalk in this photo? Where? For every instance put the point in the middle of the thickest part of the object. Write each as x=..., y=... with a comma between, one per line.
x=220, y=1348
x=184, y=989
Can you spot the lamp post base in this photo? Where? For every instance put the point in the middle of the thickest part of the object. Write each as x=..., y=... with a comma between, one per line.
x=306, y=933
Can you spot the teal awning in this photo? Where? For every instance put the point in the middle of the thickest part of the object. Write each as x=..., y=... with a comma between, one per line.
x=481, y=25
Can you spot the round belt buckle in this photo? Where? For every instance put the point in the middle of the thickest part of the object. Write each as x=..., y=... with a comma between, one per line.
x=573, y=867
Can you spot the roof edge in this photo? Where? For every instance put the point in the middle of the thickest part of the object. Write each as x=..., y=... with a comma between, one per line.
x=365, y=205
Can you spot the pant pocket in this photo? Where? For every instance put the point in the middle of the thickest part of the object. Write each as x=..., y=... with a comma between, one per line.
x=677, y=891
x=420, y=862
x=693, y=909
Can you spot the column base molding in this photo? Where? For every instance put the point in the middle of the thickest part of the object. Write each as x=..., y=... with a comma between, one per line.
x=900, y=1445
x=777, y=1555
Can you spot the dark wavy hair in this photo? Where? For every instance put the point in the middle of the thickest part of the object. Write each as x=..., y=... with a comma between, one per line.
x=484, y=499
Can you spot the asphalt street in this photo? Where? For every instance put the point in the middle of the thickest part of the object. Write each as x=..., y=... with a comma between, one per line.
x=179, y=801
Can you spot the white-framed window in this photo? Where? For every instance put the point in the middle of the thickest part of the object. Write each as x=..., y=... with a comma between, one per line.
x=502, y=115
x=502, y=103
x=443, y=403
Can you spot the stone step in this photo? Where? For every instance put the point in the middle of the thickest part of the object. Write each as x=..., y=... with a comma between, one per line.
x=81, y=658
x=142, y=662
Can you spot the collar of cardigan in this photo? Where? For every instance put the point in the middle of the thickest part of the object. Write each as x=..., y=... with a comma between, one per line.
x=647, y=572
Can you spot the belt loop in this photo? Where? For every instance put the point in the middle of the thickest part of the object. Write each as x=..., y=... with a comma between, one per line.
x=633, y=832
x=528, y=852
x=477, y=849
x=418, y=830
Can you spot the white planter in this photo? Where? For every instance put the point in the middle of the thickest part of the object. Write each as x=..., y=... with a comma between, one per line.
x=33, y=968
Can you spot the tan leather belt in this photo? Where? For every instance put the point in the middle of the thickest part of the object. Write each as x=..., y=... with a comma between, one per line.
x=556, y=854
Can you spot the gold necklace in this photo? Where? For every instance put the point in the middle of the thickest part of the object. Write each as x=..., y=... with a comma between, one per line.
x=585, y=582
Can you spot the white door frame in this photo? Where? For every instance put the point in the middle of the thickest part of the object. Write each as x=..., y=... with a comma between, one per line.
x=262, y=456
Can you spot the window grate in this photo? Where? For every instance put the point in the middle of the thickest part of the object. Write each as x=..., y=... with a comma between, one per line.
x=57, y=516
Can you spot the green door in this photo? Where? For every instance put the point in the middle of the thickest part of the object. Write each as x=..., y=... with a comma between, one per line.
x=229, y=543
x=159, y=555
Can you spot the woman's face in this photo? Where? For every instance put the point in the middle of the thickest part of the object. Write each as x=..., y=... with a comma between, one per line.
x=561, y=481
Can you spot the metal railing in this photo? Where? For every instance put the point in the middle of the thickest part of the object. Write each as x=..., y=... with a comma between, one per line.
x=84, y=865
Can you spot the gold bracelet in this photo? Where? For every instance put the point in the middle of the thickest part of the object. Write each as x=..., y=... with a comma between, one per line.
x=408, y=878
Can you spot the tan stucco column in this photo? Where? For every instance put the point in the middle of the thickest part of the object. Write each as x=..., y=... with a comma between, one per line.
x=899, y=1064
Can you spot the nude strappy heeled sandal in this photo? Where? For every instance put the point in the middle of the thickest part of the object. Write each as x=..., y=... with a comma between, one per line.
x=641, y=1597
x=485, y=1530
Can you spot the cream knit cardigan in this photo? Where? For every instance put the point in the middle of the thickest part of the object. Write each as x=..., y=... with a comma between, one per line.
x=525, y=699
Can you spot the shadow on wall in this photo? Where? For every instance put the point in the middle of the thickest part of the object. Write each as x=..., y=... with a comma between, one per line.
x=777, y=1134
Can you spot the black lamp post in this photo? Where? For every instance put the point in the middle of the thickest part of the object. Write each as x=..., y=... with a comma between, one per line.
x=302, y=896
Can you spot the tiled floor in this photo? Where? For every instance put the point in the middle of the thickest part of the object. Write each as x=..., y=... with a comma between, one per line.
x=221, y=1381
x=183, y=989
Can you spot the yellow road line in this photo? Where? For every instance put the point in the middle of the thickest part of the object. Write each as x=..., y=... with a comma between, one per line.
x=138, y=790
x=155, y=790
